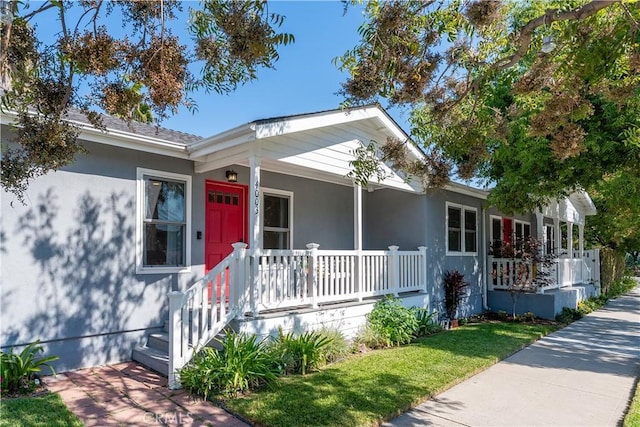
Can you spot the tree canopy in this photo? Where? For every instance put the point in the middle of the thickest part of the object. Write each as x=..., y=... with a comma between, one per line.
x=538, y=98
x=142, y=71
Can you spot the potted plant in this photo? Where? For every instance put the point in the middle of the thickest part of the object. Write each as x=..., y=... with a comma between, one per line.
x=455, y=289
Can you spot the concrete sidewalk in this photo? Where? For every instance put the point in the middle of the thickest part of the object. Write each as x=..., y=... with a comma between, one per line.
x=582, y=375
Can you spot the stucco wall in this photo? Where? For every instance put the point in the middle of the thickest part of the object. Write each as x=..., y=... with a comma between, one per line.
x=438, y=262
x=68, y=260
x=395, y=218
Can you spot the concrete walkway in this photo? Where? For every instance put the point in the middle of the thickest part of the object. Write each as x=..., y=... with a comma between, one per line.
x=128, y=394
x=581, y=375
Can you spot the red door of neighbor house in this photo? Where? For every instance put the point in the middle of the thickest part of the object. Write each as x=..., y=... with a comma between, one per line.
x=226, y=223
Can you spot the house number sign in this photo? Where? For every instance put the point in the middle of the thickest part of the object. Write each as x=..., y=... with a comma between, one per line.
x=256, y=200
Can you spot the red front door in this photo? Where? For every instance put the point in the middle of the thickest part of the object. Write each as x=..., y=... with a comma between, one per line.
x=226, y=221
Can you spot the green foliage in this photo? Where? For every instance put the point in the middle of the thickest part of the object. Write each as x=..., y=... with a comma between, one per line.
x=47, y=410
x=454, y=291
x=337, y=347
x=394, y=323
x=18, y=370
x=612, y=268
x=370, y=338
x=142, y=74
x=427, y=322
x=621, y=287
x=529, y=316
x=502, y=315
x=378, y=385
x=632, y=419
x=241, y=365
x=299, y=354
x=568, y=315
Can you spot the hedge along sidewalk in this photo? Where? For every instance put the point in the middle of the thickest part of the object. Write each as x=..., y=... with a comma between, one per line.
x=366, y=389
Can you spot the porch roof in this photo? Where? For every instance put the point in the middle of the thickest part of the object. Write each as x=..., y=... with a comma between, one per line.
x=317, y=145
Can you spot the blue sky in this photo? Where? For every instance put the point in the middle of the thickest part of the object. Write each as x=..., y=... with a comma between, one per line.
x=305, y=79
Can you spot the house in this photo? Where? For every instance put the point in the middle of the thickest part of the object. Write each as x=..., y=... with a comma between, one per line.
x=255, y=228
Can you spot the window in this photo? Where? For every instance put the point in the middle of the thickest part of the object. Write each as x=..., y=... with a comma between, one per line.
x=163, y=233
x=277, y=214
x=462, y=230
x=523, y=231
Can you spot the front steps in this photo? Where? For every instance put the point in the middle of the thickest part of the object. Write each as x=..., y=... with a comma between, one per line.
x=155, y=353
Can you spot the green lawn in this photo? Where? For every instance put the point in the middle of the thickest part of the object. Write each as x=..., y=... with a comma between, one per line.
x=366, y=389
x=633, y=416
x=44, y=411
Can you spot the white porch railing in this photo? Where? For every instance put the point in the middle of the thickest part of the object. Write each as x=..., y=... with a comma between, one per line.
x=564, y=272
x=278, y=279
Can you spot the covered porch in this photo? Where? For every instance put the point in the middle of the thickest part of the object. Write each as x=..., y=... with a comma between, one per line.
x=566, y=273
x=296, y=173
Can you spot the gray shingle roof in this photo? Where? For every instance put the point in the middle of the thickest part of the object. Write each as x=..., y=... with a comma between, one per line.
x=138, y=128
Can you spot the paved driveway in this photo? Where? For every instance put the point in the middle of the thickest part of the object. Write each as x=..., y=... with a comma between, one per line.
x=582, y=375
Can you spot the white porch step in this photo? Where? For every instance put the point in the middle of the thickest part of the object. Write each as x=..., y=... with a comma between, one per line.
x=152, y=358
x=159, y=341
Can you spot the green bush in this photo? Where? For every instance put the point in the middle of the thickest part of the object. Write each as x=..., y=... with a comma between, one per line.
x=370, y=338
x=336, y=349
x=621, y=287
x=568, y=315
x=241, y=365
x=502, y=315
x=529, y=316
x=427, y=322
x=298, y=354
x=395, y=323
x=18, y=371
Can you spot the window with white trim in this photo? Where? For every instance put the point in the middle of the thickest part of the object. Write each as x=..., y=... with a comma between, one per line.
x=163, y=232
x=277, y=217
x=462, y=230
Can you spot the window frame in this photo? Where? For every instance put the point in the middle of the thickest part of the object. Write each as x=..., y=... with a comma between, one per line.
x=141, y=175
x=463, y=210
x=264, y=191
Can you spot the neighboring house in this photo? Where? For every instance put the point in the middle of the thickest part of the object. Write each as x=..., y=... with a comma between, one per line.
x=88, y=263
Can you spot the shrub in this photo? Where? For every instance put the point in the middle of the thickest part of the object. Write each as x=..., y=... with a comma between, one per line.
x=502, y=315
x=336, y=349
x=529, y=316
x=18, y=371
x=568, y=315
x=241, y=365
x=299, y=353
x=427, y=322
x=454, y=291
x=370, y=338
x=621, y=287
x=394, y=322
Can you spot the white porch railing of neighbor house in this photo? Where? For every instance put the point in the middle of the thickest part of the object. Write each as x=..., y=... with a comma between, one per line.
x=249, y=283
x=504, y=272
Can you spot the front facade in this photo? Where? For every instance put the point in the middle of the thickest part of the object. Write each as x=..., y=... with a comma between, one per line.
x=266, y=210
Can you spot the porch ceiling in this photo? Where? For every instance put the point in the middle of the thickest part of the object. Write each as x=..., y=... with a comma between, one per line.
x=317, y=146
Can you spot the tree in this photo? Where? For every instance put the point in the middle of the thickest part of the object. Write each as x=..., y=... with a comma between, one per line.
x=491, y=99
x=143, y=74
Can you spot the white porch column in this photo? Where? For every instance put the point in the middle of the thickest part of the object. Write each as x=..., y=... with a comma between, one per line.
x=357, y=236
x=357, y=217
x=570, y=239
x=540, y=229
x=255, y=237
x=581, y=240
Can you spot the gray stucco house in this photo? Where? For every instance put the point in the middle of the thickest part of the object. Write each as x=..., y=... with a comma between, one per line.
x=157, y=239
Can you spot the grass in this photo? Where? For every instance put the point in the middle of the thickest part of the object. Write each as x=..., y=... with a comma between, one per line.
x=47, y=411
x=366, y=389
x=632, y=419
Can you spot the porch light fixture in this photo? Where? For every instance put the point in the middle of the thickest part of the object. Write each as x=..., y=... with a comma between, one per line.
x=548, y=45
x=232, y=176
